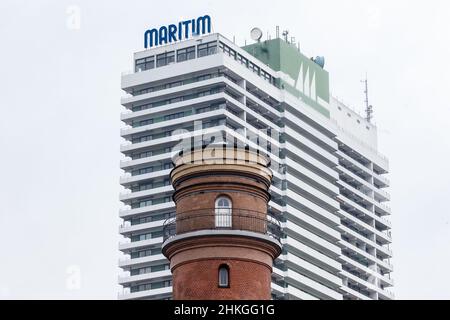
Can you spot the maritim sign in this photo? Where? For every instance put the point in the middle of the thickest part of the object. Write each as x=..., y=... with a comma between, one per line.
x=176, y=32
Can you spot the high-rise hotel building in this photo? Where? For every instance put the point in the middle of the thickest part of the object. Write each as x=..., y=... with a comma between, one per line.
x=329, y=183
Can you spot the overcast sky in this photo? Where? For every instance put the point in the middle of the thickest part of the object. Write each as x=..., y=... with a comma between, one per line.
x=60, y=125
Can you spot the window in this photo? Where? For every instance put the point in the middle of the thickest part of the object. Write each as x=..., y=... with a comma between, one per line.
x=242, y=60
x=227, y=50
x=151, y=286
x=151, y=185
x=266, y=76
x=206, y=49
x=253, y=67
x=186, y=54
x=175, y=84
x=150, y=202
x=142, y=91
x=159, y=217
x=160, y=268
x=156, y=234
x=165, y=58
x=145, y=253
x=141, y=237
x=224, y=276
x=145, y=64
x=204, y=77
x=209, y=108
x=168, y=166
x=141, y=123
x=175, y=100
x=223, y=212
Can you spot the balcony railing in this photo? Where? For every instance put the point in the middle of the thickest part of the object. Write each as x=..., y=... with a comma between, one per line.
x=222, y=219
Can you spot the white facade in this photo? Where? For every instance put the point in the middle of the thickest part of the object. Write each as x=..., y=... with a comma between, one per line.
x=329, y=182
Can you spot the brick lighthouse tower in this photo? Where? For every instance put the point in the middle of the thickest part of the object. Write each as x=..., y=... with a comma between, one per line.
x=221, y=244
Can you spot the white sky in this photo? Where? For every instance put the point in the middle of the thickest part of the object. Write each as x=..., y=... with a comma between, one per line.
x=60, y=128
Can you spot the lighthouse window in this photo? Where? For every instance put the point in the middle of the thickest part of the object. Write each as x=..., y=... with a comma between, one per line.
x=224, y=276
x=223, y=213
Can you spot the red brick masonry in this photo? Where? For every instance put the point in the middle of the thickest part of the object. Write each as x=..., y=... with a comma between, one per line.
x=197, y=280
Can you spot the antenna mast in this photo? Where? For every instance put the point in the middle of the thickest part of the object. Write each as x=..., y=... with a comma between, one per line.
x=285, y=35
x=369, y=108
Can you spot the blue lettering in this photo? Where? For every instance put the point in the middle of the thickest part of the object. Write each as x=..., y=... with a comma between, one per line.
x=150, y=38
x=177, y=32
x=163, y=35
x=186, y=28
x=180, y=31
x=172, y=33
x=204, y=23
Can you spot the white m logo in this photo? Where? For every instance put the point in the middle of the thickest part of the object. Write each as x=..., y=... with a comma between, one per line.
x=307, y=85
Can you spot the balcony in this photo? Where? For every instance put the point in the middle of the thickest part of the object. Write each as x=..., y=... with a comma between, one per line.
x=226, y=221
x=151, y=294
x=127, y=279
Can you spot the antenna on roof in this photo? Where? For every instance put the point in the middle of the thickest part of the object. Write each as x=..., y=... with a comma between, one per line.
x=285, y=35
x=369, y=108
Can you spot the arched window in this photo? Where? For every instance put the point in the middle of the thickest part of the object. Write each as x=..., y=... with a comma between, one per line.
x=224, y=276
x=223, y=212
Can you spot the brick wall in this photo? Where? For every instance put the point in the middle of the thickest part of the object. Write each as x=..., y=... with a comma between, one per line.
x=198, y=280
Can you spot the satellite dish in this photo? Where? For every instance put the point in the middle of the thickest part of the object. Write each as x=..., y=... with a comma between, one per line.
x=256, y=34
x=320, y=61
